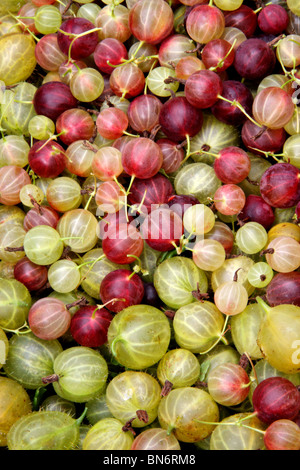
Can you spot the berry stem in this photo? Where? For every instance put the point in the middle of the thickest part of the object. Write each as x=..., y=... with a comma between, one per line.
x=77, y=303
x=24, y=25
x=142, y=415
x=22, y=330
x=166, y=388
x=130, y=135
x=170, y=429
x=81, y=417
x=269, y=251
x=113, y=345
x=267, y=154
x=186, y=142
x=137, y=269
x=12, y=249
x=127, y=427
x=93, y=193
x=76, y=36
x=138, y=209
x=89, y=262
x=89, y=146
x=263, y=304
x=67, y=6
x=221, y=337
x=92, y=265
x=132, y=58
x=239, y=422
x=53, y=137
x=39, y=393
x=238, y=105
x=221, y=61
x=235, y=277
x=111, y=301
x=201, y=150
x=50, y=379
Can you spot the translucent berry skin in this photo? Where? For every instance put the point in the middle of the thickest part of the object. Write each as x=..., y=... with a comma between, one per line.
x=155, y=439
x=283, y=434
x=273, y=107
x=202, y=88
x=257, y=142
x=143, y=112
x=224, y=111
x=33, y=276
x=89, y=326
x=228, y=384
x=75, y=124
x=151, y=192
x=172, y=155
x=49, y=319
x=229, y=199
x=179, y=118
x=242, y=18
x=273, y=19
x=112, y=50
x=276, y=398
x=142, y=157
x=218, y=53
x=121, y=284
x=151, y=21
x=111, y=123
x=257, y=210
x=162, y=228
x=83, y=46
x=204, y=23
x=127, y=81
x=43, y=215
x=47, y=159
x=53, y=98
x=179, y=203
x=280, y=185
x=122, y=243
x=254, y=59
x=284, y=289
x=232, y=165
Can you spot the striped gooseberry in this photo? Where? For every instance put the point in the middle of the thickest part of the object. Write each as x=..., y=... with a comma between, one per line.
x=176, y=278
x=14, y=315
x=131, y=340
x=229, y=435
x=143, y=394
x=198, y=326
x=180, y=367
x=155, y=439
x=108, y=434
x=15, y=403
x=38, y=431
x=80, y=373
x=228, y=384
x=30, y=359
x=180, y=411
x=49, y=319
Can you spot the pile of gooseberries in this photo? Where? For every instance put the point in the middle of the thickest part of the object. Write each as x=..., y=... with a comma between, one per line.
x=149, y=225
